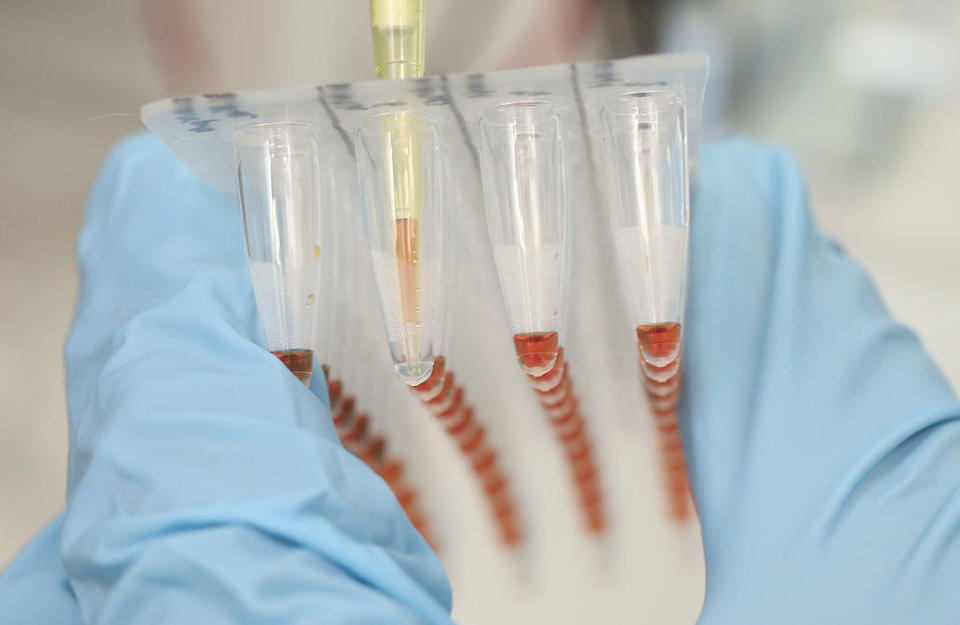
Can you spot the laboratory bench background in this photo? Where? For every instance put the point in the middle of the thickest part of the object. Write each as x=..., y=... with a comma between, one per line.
x=865, y=93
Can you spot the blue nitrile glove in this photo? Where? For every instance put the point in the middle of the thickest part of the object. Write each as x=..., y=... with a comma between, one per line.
x=824, y=445
x=34, y=589
x=206, y=484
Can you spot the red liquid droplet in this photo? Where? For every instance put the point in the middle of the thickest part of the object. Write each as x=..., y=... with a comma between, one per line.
x=298, y=361
x=537, y=351
x=659, y=340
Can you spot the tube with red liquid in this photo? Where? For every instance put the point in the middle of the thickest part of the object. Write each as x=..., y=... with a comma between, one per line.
x=279, y=170
x=399, y=165
x=523, y=181
x=645, y=157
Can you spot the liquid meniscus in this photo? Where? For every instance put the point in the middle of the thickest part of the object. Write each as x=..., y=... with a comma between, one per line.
x=537, y=351
x=659, y=340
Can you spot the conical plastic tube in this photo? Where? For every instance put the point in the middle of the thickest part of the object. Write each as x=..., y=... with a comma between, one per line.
x=526, y=218
x=399, y=166
x=646, y=159
x=523, y=180
x=646, y=162
x=278, y=170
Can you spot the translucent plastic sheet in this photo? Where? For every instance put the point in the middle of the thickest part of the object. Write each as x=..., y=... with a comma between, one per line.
x=653, y=562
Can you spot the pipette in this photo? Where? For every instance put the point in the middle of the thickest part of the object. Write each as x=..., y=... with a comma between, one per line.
x=397, y=28
x=397, y=38
x=403, y=220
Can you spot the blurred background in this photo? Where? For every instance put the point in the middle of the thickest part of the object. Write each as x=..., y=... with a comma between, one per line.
x=866, y=93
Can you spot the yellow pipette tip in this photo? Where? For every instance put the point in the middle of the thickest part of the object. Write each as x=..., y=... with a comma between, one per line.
x=397, y=27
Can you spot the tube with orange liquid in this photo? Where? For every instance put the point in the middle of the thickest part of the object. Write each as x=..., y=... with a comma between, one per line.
x=645, y=157
x=524, y=196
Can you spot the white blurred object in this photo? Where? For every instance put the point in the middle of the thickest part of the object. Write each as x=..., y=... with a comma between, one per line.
x=838, y=84
x=912, y=60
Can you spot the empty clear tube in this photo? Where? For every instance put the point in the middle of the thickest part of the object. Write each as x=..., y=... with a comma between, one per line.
x=399, y=165
x=278, y=171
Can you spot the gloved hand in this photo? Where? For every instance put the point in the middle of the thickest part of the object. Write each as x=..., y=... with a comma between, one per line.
x=206, y=485
x=34, y=589
x=824, y=445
